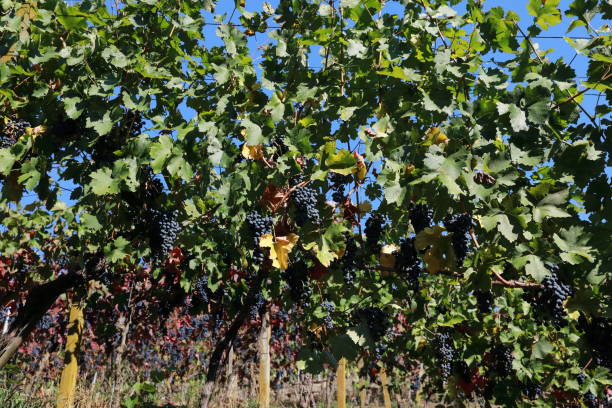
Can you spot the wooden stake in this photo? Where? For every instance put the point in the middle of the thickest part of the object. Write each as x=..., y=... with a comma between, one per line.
x=65, y=397
x=362, y=398
x=264, y=362
x=385, y=384
x=341, y=380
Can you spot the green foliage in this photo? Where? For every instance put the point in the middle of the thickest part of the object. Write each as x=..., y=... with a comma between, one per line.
x=83, y=76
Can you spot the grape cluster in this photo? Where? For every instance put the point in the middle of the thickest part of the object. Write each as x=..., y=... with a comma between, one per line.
x=296, y=276
x=548, y=301
x=407, y=263
x=349, y=261
x=532, y=390
x=380, y=350
x=45, y=323
x=12, y=131
x=305, y=201
x=329, y=307
x=444, y=351
x=420, y=217
x=164, y=231
x=581, y=378
x=375, y=319
x=374, y=230
x=502, y=357
x=416, y=383
x=202, y=289
x=459, y=225
x=337, y=183
x=259, y=225
x=484, y=300
x=598, y=335
x=257, y=307
x=590, y=400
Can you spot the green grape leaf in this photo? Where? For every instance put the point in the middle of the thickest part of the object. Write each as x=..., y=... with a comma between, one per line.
x=546, y=12
x=573, y=242
x=102, y=182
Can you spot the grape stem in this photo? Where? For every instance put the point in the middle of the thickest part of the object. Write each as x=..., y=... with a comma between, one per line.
x=291, y=190
x=474, y=240
x=500, y=280
x=513, y=283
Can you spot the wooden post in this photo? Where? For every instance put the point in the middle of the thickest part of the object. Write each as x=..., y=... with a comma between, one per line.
x=231, y=375
x=362, y=398
x=65, y=397
x=341, y=380
x=264, y=361
x=417, y=397
x=385, y=384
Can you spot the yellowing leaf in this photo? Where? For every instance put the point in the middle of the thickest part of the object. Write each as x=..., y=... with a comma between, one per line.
x=408, y=169
x=362, y=170
x=435, y=136
x=574, y=315
x=280, y=247
x=340, y=161
x=340, y=253
x=36, y=131
x=364, y=207
x=252, y=152
x=387, y=257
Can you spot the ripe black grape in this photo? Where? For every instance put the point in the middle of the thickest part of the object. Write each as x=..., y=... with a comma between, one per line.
x=484, y=301
x=459, y=225
x=548, y=301
x=380, y=350
x=329, y=307
x=45, y=323
x=202, y=289
x=11, y=132
x=590, y=400
x=374, y=230
x=416, y=383
x=407, y=263
x=164, y=232
x=532, y=390
x=420, y=217
x=305, y=201
x=502, y=359
x=349, y=261
x=257, y=307
x=337, y=183
x=259, y=225
x=444, y=351
x=581, y=378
